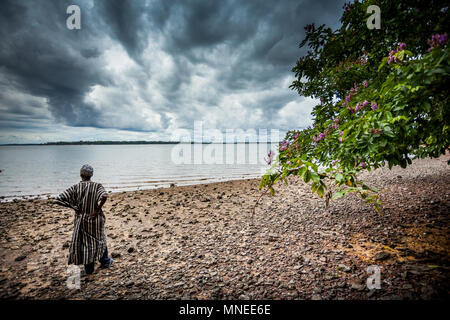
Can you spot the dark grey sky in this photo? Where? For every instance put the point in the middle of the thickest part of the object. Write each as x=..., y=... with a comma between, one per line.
x=148, y=69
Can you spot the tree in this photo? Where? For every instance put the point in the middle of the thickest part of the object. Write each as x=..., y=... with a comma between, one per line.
x=383, y=93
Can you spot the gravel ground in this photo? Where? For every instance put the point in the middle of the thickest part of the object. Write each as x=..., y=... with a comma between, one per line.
x=199, y=242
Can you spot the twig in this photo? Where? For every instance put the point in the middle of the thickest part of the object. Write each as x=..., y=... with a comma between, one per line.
x=257, y=201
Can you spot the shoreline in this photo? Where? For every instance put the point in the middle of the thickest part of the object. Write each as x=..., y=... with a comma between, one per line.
x=199, y=242
x=111, y=190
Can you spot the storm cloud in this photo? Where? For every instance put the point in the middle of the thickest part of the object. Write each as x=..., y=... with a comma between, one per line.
x=145, y=69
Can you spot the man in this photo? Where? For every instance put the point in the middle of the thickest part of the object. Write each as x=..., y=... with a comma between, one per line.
x=88, y=240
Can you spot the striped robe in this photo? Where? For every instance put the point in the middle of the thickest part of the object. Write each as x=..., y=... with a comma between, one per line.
x=88, y=239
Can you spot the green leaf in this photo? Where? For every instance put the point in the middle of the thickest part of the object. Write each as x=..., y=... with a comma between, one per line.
x=339, y=194
x=315, y=177
x=339, y=177
x=272, y=191
x=320, y=191
x=307, y=176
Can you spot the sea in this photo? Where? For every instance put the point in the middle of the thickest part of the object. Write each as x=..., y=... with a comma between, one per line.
x=40, y=171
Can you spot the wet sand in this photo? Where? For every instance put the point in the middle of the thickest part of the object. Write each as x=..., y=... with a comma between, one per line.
x=199, y=242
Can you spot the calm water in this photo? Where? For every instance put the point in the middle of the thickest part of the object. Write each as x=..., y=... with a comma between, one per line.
x=48, y=170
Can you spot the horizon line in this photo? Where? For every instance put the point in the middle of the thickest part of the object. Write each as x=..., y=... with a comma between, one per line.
x=119, y=142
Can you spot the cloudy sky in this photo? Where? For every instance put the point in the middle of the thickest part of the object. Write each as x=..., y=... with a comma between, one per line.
x=146, y=70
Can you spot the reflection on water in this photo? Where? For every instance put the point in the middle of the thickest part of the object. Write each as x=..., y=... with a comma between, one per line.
x=44, y=170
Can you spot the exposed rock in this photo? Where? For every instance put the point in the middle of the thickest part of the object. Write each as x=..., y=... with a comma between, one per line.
x=380, y=256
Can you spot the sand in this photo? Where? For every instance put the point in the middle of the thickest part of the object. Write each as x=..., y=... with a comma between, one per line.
x=200, y=242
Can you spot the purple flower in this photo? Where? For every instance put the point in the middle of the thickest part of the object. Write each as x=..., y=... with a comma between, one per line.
x=319, y=137
x=335, y=126
x=358, y=107
x=437, y=40
x=284, y=145
x=365, y=84
x=391, y=59
x=270, y=157
x=340, y=139
x=365, y=103
x=362, y=165
x=374, y=106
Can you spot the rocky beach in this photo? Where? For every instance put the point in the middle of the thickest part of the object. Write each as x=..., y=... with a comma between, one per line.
x=201, y=242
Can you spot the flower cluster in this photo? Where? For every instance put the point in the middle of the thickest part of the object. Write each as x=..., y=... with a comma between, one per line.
x=375, y=131
x=347, y=65
x=284, y=145
x=328, y=131
x=392, y=58
x=363, y=105
x=353, y=91
x=361, y=163
x=347, y=8
x=270, y=157
x=359, y=105
x=374, y=106
x=437, y=40
x=341, y=133
x=319, y=137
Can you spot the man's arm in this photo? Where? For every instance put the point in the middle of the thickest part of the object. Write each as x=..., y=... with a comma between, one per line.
x=66, y=199
x=103, y=199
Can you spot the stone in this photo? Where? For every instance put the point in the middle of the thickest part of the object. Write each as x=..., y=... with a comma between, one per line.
x=381, y=256
x=20, y=258
x=356, y=285
x=344, y=267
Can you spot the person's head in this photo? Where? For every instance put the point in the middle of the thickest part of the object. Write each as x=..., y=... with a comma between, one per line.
x=86, y=172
